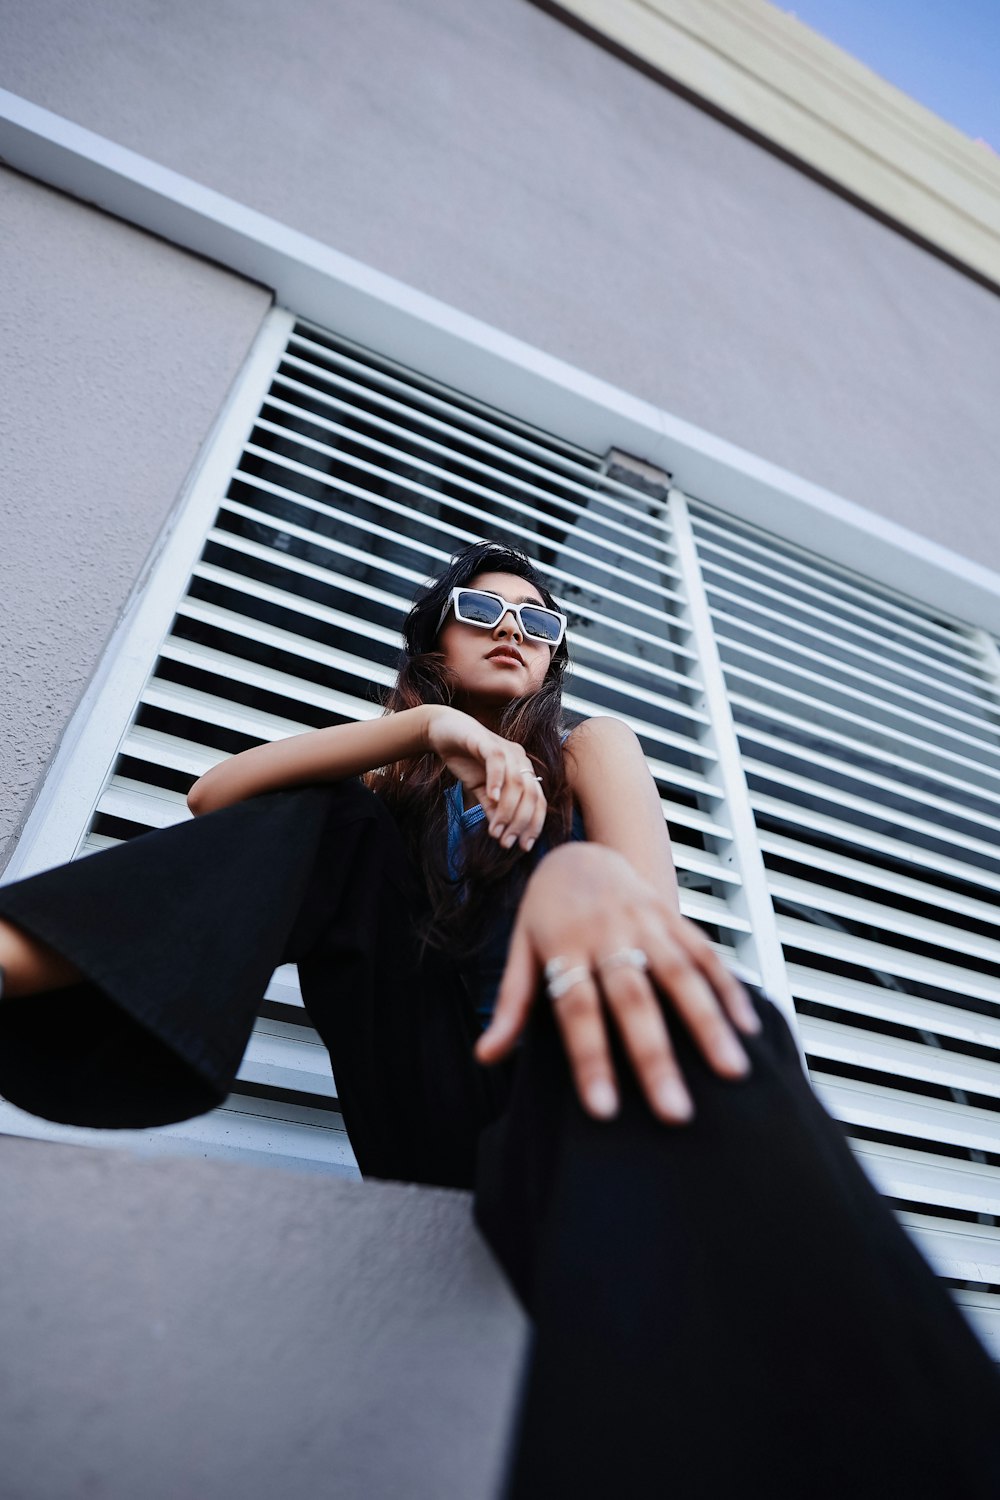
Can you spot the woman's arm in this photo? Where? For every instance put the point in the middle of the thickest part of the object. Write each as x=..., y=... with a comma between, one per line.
x=612, y=898
x=331, y=754
x=496, y=771
x=618, y=800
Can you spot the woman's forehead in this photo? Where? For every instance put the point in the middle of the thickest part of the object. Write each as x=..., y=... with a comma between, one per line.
x=514, y=589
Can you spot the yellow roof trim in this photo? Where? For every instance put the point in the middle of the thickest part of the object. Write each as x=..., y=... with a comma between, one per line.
x=773, y=74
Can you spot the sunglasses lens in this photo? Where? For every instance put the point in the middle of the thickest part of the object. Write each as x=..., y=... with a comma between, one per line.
x=478, y=609
x=543, y=624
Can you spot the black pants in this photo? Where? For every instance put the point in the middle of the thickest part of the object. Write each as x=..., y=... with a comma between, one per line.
x=722, y=1308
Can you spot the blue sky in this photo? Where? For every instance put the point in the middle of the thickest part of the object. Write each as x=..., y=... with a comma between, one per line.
x=943, y=53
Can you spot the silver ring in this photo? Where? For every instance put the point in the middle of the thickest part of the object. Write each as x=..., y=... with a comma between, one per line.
x=560, y=983
x=531, y=774
x=624, y=958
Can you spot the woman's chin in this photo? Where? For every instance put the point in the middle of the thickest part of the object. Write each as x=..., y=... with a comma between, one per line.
x=491, y=697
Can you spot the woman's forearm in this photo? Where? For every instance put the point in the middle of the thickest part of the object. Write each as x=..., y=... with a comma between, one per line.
x=319, y=755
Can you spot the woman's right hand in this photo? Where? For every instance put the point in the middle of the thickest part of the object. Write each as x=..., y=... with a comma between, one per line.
x=619, y=941
x=497, y=772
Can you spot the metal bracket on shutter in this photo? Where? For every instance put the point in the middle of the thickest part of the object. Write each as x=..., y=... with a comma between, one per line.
x=636, y=472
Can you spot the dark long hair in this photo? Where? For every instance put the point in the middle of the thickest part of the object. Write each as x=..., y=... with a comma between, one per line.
x=461, y=910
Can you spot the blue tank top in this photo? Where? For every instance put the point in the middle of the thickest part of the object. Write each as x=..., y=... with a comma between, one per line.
x=484, y=970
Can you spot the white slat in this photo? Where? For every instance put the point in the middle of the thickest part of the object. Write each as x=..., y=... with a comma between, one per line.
x=983, y=1312
x=927, y=727
x=872, y=1107
x=832, y=668
x=879, y=877
x=964, y=1251
x=884, y=959
x=493, y=500
x=831, y=1041
x=934, y=684
x=825, y=576
x=860, y=835
x=796, y=592
x=533, y=493
x=918, y=1177
x=243, y=1129
x=814, y=712
x=201, y=707
x=888, y=918
x=280, y=1056
x=894, y=1005
x=702, y=908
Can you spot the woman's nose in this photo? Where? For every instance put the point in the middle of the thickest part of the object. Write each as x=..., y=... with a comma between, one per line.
x=507, y=625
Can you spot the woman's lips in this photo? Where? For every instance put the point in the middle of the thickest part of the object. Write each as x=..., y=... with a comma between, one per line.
x=505, y=653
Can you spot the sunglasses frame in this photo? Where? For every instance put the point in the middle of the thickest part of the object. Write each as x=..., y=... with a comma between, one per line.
x=509, y=608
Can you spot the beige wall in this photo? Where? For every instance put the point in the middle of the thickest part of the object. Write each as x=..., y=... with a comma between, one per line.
x=116, y=353
x=490, y=155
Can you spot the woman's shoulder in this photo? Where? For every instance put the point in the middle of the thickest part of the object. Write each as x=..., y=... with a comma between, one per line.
x=597, y=733
x=601, y=752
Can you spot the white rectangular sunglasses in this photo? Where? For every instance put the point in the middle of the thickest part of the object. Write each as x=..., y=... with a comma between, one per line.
x=483, y=608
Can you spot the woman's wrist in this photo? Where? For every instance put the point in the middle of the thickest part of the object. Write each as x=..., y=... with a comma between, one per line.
x=575, y=860
x=424, y=716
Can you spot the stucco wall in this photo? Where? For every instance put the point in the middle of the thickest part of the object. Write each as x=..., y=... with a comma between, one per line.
x=196, y=1329
x=116, y=353
x=489, y=155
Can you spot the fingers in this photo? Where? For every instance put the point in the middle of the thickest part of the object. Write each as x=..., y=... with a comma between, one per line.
x=578, y=1015
x=518, y=806
x=695, y=999
x=733, y=996
x=496, y=773
x=637, y=1014
x=615, y=951
x=629, y=998
x=516, y=995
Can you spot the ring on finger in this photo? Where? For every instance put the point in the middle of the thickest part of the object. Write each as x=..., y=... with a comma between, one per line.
x=530, y=774
x=624, y=958
x=565, y=980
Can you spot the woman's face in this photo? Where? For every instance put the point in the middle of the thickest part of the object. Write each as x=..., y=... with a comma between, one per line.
x=495, y=666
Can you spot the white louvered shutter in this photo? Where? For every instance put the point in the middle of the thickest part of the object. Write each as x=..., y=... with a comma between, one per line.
x=869, y=734
x=827, y=753
x=358, y=481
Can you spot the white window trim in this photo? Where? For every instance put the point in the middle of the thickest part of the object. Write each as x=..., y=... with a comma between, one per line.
x=334, y=291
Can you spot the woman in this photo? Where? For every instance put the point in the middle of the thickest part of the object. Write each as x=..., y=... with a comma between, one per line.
x=721, y=1300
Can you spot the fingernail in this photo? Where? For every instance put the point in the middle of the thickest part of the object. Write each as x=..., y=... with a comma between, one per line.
x=733, y=1056
x=529, y=844
x=509, y=840
x=602, y=1100
x=497, y=832
x=674, y=1099
x=754, y=1022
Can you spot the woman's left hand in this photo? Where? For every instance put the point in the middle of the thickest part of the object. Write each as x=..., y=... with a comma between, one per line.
x=584, y=906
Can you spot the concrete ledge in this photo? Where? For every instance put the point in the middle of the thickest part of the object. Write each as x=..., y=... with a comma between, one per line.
x=174, y=1328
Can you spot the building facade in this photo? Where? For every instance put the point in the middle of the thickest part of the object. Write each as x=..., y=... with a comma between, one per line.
x=294, y=310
